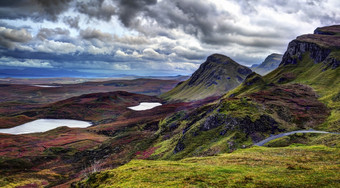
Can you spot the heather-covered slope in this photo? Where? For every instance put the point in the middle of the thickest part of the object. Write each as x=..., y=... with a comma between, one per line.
x=270, y=63
x=217, y=75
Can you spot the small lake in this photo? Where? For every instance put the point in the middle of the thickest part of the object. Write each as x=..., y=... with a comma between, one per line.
x=42, y=125
x=37, y=85
x=145, y=106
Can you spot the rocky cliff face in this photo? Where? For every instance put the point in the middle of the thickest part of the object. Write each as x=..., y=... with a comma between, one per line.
x=322, y=46
x=217, y=75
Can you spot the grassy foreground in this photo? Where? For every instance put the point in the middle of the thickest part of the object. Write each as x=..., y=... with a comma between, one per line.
x=293, y=166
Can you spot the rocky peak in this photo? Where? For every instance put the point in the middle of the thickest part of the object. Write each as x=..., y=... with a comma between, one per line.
x=220, y=59
x=217, y=75
x=215, y=66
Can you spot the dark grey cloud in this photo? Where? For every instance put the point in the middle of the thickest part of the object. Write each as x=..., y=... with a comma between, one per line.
x=73, y=22
x=37, y=10
x=10, y=37
x=129, y=9
x=46, y=33
x=91, y=33
x=98, y=9
x=165, y=35
x=194, y=17
x=203, y=20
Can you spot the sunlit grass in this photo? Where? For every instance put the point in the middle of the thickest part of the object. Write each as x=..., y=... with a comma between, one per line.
x=304, y=166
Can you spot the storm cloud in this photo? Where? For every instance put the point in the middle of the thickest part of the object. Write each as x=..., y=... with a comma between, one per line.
x=10, y=37
x=147, y=36
x=37, y=10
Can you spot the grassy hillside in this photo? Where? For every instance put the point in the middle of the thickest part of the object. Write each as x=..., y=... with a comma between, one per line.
x=295, y=166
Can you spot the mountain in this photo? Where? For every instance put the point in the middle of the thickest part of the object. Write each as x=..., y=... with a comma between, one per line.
x=217, y=75
x=270, y=63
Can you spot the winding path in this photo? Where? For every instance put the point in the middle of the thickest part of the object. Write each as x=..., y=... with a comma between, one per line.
x=261, y=143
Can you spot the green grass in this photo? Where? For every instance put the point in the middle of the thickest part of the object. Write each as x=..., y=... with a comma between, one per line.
x=241, y=108
x=196, y=140
x=303, y=166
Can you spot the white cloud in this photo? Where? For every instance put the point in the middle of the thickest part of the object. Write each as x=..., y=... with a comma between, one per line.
x=8, y=61
x=121, y=67
x=57, y=47
x=151, y=53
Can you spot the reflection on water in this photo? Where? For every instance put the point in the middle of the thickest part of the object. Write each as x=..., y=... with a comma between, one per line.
x=42, y=125
x=145, y=106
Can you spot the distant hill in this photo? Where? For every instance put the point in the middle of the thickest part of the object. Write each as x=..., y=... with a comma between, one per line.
x=270, y=63
x=217, y=75
x=92, y=107
x=29, y=72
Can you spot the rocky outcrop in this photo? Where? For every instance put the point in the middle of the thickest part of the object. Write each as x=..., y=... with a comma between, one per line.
x=226, y=123
x=331, y=62
x=297, y=48
x=319, y=46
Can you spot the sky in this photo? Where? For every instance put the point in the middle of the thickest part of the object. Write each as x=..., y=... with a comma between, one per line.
x=152, y=37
